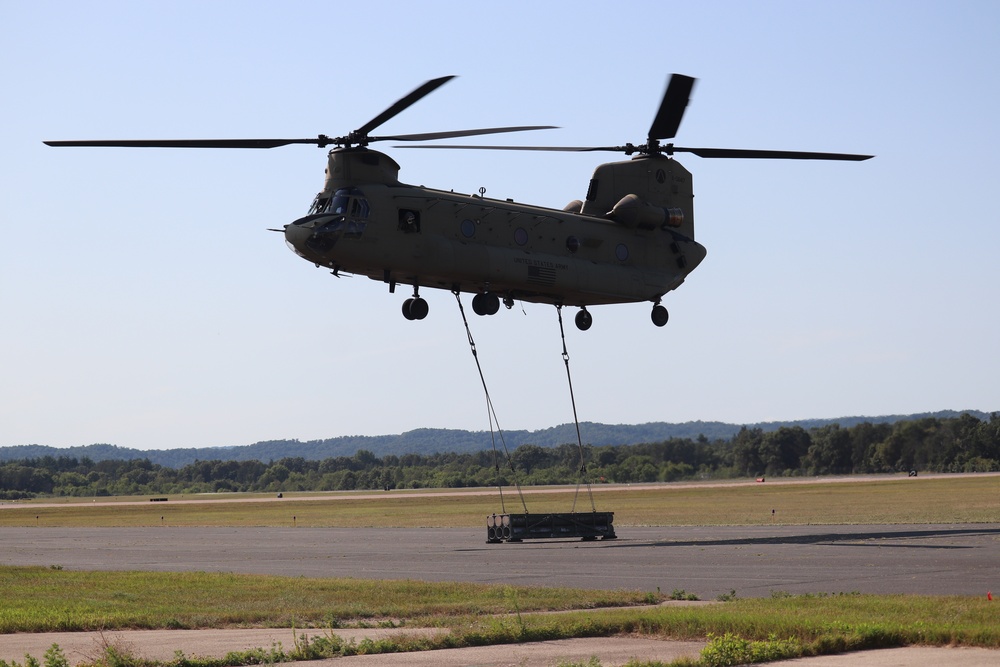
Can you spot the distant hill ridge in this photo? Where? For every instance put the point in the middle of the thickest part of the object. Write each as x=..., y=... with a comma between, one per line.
x=431, y=440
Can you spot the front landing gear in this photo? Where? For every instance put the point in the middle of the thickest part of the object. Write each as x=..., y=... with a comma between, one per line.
x=659, y=315
x=584, y=319
x=415, y=308
x=486, y=303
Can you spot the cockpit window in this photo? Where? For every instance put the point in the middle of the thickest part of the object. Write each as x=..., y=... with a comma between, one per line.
x=345, y=213
x=346, y=201
x=319, y=204
x=339, y=203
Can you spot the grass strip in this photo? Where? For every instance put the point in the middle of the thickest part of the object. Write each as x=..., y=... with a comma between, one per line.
x=954, y=499
x=39, y=599
x=740, y=631
x=853, y=620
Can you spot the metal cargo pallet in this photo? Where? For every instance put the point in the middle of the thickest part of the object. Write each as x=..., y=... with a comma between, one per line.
x=518, y=527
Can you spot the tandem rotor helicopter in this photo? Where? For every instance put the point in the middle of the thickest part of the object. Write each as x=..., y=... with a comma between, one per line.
x=631, y=239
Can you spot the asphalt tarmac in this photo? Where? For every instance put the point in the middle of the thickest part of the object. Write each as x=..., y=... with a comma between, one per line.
x=955, y=559
x=707, y=561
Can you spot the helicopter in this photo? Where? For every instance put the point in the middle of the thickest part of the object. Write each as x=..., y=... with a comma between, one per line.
x=631, y=239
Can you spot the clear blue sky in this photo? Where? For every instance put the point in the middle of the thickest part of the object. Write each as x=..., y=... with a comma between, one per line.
x=144, y=304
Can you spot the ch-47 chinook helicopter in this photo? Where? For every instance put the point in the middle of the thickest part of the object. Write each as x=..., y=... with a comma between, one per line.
x=630, y=240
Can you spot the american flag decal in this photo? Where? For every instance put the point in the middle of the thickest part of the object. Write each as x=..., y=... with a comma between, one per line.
x=541, y=275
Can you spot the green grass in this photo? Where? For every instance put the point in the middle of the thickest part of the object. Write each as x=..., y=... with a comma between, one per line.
x=37, y=599
x=781, y=626
x=954, y=499
x=793, y=626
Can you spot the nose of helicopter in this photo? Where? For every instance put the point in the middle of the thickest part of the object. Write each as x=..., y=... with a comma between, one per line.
x=300, y=237
x=296, y=234
x=313, y=236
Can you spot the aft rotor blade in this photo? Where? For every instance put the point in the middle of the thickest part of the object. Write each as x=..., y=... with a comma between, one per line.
x=671, y=111
x=558, y=149
x=407, y=101
x=432, y=136
x=766, y=155
x=668, y=149
x=193, y=143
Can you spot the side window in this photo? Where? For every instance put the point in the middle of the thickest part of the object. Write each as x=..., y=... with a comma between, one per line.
x=359, y=209
x=409, y=221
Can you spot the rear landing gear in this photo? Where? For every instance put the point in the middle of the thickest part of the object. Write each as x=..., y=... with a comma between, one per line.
x=659, y=315
x=584, y=319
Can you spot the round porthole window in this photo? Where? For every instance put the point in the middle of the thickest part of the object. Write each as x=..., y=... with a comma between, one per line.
x=572, y=244
x=621, y=252
x=520, y=236
x=468, y=228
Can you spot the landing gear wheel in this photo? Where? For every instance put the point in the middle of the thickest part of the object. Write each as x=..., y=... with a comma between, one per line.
x=406, y=309
x=418, y=308
x=659, y=315
x=486, y=303
x=584, y=319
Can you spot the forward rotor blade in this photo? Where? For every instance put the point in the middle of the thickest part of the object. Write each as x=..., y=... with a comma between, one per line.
x=422, y=91
x=193, y=143
x=671, y=111
x=432, y=136
x=766, y=155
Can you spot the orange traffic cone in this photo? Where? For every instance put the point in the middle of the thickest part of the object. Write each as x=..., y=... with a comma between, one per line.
x=989, y=596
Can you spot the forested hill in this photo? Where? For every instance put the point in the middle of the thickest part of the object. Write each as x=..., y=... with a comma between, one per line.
x=431, y=441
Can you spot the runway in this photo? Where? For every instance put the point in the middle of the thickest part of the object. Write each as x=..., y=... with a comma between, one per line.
x=955, y=559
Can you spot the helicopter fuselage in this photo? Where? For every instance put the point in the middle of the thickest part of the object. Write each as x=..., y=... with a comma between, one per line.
x=630, y=240
x=368, y=223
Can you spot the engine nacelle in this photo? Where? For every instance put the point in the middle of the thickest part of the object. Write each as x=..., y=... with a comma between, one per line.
x=631, y=211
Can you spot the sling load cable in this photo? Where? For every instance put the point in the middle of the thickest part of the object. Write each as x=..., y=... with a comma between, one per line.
x=576, y=421
x=492, y=415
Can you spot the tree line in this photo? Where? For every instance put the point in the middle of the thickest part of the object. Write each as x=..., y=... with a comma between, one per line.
x=961, y=444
